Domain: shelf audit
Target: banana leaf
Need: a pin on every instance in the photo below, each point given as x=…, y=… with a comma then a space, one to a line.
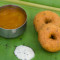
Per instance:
x=30, y=36
x=54, y=3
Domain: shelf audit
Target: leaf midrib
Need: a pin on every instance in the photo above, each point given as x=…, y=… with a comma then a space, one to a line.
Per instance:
x=33, y=5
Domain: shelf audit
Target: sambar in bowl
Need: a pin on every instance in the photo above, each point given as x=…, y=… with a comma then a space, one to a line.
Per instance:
x=12, y=21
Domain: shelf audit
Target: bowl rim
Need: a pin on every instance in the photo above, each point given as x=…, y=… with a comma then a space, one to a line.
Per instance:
x=21, y=9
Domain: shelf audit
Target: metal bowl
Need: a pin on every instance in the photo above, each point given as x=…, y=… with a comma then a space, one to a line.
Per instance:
x=12, y=33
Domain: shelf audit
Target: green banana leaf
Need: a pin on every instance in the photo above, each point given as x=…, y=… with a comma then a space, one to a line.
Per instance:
x=54, y=3
x=30, y=36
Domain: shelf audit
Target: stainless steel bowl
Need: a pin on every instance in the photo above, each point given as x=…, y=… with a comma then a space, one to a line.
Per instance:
x=12, y=33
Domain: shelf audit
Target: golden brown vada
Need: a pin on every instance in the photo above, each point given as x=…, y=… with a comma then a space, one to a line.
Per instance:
x=45, y=17
x=49, y=37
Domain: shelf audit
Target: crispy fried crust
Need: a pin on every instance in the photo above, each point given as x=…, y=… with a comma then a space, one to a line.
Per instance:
x=46, y=17
x=49, y=37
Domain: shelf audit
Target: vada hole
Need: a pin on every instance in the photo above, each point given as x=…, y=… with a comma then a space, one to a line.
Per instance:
x=48, y=21
x=53, y=36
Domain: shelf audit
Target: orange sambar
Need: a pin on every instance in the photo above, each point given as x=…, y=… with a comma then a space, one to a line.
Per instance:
x=11, y=17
